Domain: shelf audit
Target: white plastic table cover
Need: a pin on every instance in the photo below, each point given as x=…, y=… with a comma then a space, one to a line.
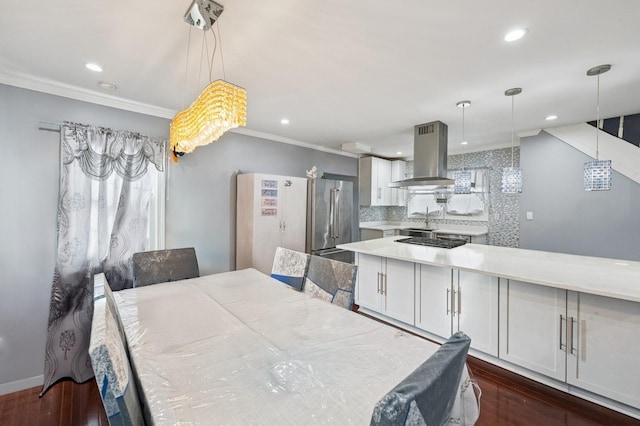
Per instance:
x=242, y=348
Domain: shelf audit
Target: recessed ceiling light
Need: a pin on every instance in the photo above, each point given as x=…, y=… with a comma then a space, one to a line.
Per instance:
x=399, y=153
x=464, y=143
x=550, y=117
x=284, y=121
x=93, y=67
x=515, y=34
x=107, y=86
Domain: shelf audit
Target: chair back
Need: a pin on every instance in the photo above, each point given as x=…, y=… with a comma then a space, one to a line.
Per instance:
x=331, y=280
x=108, y=354
x=427, y=395
x=159, y=266
x=290, y=267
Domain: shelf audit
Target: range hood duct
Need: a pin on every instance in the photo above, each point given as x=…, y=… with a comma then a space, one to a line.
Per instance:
x=429, y=157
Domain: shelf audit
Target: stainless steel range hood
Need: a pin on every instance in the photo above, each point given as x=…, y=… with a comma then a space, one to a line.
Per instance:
x=429, y=157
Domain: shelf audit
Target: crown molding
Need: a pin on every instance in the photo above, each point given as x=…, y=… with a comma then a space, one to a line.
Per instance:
x=73, y=92
x=282, y=139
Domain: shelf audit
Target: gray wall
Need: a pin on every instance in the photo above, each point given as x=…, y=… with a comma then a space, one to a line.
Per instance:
x=568, y=219
x=201, y=209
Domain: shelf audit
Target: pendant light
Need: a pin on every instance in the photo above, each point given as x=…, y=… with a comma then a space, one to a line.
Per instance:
x=220, y=107
x=512, y=176
x=597, y=173
x=462, y=178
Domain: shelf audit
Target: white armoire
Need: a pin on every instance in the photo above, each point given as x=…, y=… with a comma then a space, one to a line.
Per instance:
x=271, y=211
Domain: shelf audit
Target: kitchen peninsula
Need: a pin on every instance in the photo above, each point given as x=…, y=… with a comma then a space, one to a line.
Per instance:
x=571, y=322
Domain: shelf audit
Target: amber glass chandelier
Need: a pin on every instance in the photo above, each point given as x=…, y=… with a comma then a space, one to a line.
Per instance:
x=220, y=107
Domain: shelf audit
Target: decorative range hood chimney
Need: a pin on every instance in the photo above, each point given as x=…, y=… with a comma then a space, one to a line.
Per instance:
x=429, y=157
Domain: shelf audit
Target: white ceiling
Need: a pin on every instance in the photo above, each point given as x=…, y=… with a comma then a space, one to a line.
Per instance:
x=341, y=71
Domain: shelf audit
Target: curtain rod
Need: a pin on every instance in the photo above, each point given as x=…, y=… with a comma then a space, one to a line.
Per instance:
x=46, y=129
x=59, y=129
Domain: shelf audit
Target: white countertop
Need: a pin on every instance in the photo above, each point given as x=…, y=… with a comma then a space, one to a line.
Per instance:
x=472, y=231
x=595, y=275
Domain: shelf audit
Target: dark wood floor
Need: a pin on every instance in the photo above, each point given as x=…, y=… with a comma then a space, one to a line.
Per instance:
x=507, y=399
x=65, y=404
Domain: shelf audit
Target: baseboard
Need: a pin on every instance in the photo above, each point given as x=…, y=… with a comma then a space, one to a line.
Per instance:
x=23, y=384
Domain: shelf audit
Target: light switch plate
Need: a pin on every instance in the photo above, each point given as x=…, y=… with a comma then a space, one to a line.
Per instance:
x=529, y=215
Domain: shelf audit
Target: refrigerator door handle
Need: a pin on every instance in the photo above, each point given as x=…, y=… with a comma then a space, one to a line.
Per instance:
x=336, y=212
x=333, y=213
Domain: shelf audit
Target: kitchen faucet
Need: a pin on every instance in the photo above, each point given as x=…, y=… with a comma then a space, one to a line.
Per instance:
x=426, y=218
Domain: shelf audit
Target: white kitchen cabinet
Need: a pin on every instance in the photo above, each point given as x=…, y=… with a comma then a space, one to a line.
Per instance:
x=398, y=173
x=476, y=300
x=433, y=300
x=588, y=341
x=386, y=286
x=449, y=300
x=604, y=346
x=374, y=176
x=532, y=327
x=271, y=212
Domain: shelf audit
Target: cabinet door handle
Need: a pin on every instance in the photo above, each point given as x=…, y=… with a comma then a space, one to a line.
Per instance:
x=570, y=336
x=379, y=193
x=384, y=276
x=378, y=284
x=459, y=301
x=563, y=346
x=448, y=302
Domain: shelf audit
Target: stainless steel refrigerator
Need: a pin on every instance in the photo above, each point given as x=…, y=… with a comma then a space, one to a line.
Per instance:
x=329, y=218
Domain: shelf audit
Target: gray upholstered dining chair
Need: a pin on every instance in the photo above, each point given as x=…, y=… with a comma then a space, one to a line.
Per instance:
x=290, y=267
x=159, y=266
x=428, y=395
x=331, y=280
x=110, y=362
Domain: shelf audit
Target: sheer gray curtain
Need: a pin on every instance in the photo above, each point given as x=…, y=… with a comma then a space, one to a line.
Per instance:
x=103, y=214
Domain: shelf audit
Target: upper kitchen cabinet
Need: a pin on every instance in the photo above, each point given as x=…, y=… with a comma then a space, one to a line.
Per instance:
x=271, y=212
x=398, y=173
x=374, y=176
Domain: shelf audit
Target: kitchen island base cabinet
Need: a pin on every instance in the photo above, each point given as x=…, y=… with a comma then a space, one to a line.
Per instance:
x=386, y=286
x=477, y=310
x=532, y=324
x=604, y=352
x=434, y=300
x=448, y=301
x=587, y=341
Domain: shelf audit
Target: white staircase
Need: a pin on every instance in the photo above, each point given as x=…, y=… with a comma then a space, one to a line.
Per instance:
x=625, y=157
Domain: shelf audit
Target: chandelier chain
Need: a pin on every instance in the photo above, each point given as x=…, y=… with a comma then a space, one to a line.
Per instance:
x=224, y=75
x=463, y=139
x=597, y=116
x=186, y=67
x=512, y=128
x=204, y=39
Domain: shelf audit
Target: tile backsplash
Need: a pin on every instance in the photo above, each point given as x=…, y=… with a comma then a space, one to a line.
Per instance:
x=503, y=223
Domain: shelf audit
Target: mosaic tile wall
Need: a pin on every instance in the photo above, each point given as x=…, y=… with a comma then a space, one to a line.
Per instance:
x=503, y=221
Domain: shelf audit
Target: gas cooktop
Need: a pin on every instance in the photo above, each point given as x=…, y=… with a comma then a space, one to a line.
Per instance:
x=432, y=242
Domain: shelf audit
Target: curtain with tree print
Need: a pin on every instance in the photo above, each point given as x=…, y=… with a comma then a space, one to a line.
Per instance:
x=103, y=215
